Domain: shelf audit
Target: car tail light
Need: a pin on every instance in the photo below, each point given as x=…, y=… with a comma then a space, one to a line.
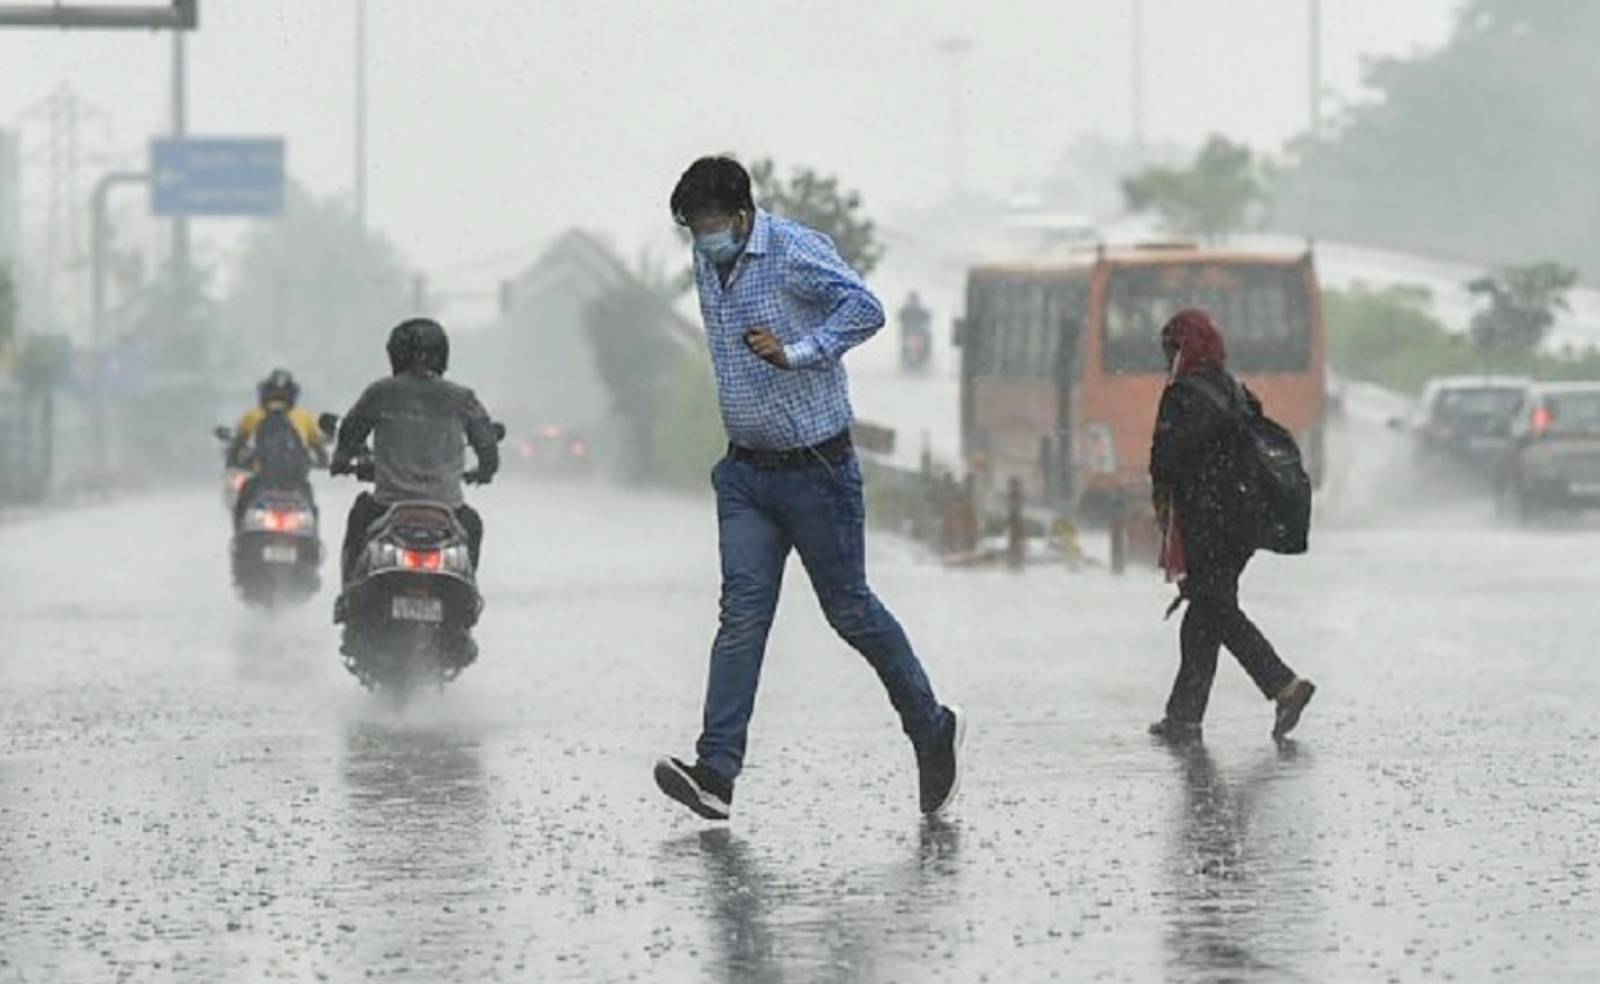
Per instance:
x=421, y=560
x=1542, y=419
x=580, y=449
x=527, y=450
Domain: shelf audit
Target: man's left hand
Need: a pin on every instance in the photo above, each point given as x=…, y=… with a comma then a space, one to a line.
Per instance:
x=767, y=345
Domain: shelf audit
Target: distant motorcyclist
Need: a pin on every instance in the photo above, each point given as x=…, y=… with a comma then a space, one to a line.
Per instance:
x=420, y=425
x=276, y=441
x=916, y=335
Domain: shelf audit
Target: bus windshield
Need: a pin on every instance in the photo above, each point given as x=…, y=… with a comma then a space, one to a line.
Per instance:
x=1261, y=310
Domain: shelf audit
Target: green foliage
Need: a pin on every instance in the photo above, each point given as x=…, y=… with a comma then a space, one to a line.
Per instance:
x=817, y=201
x=44, y=361
x=1212, y=196
x=687, y=433
x=633, y=356
x=318, y=293
x=8, y=307
x=1388, y=337
x=1485, y=148
x=1523, y=302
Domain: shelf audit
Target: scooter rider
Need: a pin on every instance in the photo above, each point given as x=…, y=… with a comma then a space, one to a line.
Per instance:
x=419, y=425
x=277, y=441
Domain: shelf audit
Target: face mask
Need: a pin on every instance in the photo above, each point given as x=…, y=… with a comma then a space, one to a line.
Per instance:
x=720, y=247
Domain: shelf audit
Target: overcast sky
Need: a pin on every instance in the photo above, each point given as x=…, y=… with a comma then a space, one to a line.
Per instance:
x=495, y=123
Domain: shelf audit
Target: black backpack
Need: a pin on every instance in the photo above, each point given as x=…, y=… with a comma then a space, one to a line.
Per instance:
x=1279, y=482
x=280, y=455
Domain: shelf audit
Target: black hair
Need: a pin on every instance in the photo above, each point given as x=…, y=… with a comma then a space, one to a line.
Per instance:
x=712, y=185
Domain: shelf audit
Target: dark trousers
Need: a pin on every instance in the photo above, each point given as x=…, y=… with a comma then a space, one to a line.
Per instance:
x=366, y=510
x=1213, y=620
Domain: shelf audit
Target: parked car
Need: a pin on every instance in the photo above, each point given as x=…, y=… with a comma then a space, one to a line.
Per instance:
x=1461, y=427
x=1555, y=462
x=556, y=449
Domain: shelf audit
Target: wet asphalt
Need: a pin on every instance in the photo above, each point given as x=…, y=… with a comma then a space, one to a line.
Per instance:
x=193, y=791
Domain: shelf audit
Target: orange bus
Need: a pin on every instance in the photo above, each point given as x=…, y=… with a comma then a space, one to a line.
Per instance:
x=1062, y=369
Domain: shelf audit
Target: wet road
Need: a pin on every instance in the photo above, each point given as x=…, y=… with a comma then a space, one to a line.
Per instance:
x=190, y=791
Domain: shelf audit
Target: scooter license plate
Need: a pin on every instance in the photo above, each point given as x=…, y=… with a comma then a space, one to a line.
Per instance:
x=278, y=553
x=405, y=608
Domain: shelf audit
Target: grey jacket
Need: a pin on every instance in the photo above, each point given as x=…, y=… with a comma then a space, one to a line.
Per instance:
x=420, y=426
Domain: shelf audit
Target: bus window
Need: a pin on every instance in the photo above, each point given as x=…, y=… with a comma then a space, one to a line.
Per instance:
x=1016, y=331
x=1262, y=311
x=1068, y=315
x=1042, y=331
x=978, y=342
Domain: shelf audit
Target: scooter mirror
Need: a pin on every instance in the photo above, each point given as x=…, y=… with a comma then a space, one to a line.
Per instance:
x=222, y=434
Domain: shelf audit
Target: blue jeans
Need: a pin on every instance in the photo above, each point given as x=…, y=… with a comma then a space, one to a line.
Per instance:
x=817, y=510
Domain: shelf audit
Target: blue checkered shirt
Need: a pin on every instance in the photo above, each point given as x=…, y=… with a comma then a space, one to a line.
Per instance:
x=789, y=279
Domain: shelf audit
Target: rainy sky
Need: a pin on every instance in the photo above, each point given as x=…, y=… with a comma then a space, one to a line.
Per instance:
x=495, y=123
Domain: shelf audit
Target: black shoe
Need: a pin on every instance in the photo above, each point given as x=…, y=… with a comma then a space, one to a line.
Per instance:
x=1174, y=731
x=939, y=768
x=696, y=787
x=1291, y=702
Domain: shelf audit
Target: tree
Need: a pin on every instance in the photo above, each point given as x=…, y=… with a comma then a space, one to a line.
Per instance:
x=7, y=311
x=1523, y=302
x=8, y=308
x=1485, y=148
x=1212, y=196
x=316, y=292
x=816, y=201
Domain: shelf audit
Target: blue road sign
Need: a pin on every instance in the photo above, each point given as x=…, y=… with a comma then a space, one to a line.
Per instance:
x=216, y=176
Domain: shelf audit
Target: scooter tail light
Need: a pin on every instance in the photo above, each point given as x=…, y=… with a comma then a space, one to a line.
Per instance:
x=421, y=560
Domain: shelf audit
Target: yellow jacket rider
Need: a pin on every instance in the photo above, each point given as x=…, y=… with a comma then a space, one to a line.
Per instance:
x=278, y=391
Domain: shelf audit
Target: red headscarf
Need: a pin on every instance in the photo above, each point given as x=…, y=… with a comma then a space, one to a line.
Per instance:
x=1199, y=342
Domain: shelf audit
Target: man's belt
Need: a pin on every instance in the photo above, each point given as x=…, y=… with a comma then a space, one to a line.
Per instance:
x=833, y=450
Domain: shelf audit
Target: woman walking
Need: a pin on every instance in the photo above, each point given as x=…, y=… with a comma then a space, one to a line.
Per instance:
x=1204, y=499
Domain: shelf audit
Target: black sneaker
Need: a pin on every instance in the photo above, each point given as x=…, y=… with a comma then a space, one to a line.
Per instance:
x=1291, y=702
x=939, y=768
x=1168, y=729
x=696, y=787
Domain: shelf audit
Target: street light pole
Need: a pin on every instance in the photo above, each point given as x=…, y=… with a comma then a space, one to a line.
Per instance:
x=361, y=115
x=956, y=48
x=180, y=127
x=98, y=248
x=1315, y=64
x=1136, y=68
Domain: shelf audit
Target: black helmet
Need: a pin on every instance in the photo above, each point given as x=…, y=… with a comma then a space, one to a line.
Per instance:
x=419, y=343
x=278, y=387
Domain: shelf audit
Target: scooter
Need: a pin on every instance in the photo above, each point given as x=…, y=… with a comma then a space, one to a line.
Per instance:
x=412, y=597
x=276, y=548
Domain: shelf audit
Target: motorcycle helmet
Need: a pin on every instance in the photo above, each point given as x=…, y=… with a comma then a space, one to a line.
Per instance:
x=278, y=387
x=419, y=343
